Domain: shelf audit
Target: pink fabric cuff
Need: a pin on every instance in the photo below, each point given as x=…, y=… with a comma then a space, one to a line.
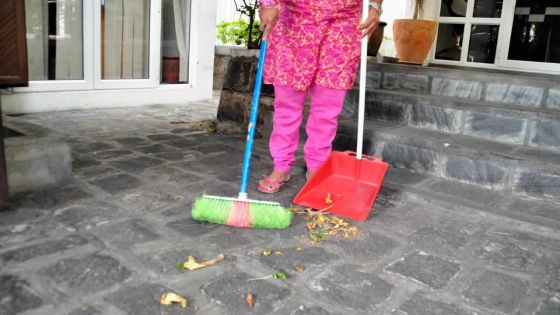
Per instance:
x=269, y=3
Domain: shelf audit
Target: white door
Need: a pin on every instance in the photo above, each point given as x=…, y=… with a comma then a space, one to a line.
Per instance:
x=532, y=40
x=126, y=43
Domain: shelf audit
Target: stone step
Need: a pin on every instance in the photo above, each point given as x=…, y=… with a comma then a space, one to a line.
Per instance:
x=522, y=126
x=512, y=169
x=524, y=90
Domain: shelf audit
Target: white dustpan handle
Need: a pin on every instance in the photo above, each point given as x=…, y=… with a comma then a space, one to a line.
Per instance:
x=362, y=95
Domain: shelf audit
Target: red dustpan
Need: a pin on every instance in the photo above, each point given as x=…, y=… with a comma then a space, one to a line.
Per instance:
x=347, y=183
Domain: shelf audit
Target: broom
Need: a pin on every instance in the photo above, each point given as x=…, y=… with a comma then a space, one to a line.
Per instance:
x=240, y=211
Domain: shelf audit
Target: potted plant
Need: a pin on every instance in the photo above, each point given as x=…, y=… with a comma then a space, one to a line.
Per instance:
x=414, y=37
x=242, y=32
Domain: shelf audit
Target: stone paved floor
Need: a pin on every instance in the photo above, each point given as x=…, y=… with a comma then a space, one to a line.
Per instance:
x=107, y=242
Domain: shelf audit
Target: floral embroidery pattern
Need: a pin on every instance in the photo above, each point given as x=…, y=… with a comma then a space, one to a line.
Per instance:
x=315, y=41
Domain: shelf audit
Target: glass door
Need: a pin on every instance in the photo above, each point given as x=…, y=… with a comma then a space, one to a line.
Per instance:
x=532, y=40
x=468, y=32
x=58, y=43
x=127, y=43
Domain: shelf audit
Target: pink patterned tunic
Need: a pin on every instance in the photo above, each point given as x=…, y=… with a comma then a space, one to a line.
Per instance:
x=314, y=41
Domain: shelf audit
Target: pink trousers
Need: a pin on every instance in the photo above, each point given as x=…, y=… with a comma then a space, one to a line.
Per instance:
x=326, y=105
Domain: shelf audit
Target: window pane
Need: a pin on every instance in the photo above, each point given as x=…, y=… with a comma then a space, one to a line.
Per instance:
x=536, y=32
x=455, y=8
x=449, y=41
x=54, y=39
x=488, y=8
x=125, y=39
x=175, y=22
x=483, y=43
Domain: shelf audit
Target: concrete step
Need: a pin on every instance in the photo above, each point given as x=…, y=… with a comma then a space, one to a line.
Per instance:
x=524, y=90
x=503, y=123
x=526, y=172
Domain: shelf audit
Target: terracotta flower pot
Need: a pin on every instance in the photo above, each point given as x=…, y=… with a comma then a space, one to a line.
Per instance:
x=376, y=39
x=170, y=69
x=413, y=39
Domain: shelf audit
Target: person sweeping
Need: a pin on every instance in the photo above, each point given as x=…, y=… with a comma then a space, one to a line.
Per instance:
x=313, y=49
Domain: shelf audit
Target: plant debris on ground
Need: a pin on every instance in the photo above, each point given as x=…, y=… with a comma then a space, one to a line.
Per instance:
x=321, y=225
x=209, y=126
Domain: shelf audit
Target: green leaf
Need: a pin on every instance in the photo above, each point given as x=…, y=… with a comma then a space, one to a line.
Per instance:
x=280, y=275
x=180, y=265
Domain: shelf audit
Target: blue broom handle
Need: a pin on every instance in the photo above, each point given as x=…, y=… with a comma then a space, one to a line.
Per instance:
x=252, y=122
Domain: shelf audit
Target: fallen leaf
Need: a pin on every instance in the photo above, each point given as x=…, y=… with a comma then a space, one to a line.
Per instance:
x=328, y=199
x=175, y=198
x=192, y=264
x=299, y=269
x=299, y=249
x=280, y=275
x=267, y=253
x=250, y=300
x=268, y=247
x=311, y=225
x=169, y=298
x=278, y=253
x=320, y=219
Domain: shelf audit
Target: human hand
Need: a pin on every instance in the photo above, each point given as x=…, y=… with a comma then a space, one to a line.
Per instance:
x=368, y=27
x=268, y=17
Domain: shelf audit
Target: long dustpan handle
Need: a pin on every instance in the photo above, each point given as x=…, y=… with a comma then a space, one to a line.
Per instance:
x=252, y=122
x=362, y=94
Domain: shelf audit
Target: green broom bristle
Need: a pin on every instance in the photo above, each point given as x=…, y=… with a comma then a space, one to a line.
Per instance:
x=263, y=215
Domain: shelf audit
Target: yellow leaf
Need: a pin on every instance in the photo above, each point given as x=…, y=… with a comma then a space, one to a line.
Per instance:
x=192, y=264
x=250, y=300
x=311, y=225
x=299, y=249
x=169, y=298
x=299, y=269
x=320, y=219
x=278, y=253
x=328, y=199
x=267, y=253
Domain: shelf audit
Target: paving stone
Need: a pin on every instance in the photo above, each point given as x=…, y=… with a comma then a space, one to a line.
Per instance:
x=111, y=154
x=192, y=228
x=552, y=281
x=420, y=305
x=496, y=128
x=228, y=240
x=132, y=141
x=117, y=183
x=385, y=109
x=16, y=295
x=436, y=118
x=546, y=134
x=167, y=175
x=83, y=162
x=308, y=258
x=176, y=156
x=350, y=105
x=96, y=172
x=537, y=184
x=144, y=299
x=85, y=310
x=165, y=261
x=456, y=88
x=506, y=254
x=535, y=208
x=88, y=274
x=441, y=239
x=497, y=291
x=373, y=247
x=230, y=289
x=42, y=249
x=553, y=99
x=92, y=147
x=185, y=143
x=411, y=158
x=152, y=149
x=313, y=310
x=221, y=148
x=514, y=94
x=54, y=197
x=128, y=233
x=430, y=270
x=136, y=164
x=151, y=199
x=86, y=216
x=402, y=81
x=349, y=287
x=474, y=171
x=163, y=137
x=549, y=307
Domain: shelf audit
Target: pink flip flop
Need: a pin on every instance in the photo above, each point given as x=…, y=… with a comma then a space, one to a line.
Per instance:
x=271, y=182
